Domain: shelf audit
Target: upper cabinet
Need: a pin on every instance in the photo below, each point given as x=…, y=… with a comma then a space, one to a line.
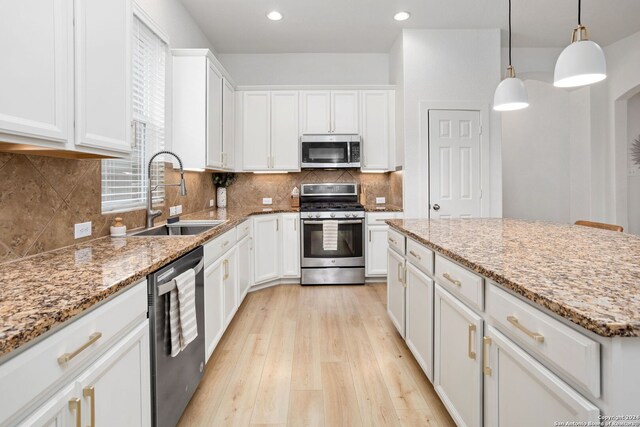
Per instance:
x=325, y=111
x=378, y=128
x=228, y=124
x=37, y=105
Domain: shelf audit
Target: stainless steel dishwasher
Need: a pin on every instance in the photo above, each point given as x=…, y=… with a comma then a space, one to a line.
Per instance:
x=174, y=379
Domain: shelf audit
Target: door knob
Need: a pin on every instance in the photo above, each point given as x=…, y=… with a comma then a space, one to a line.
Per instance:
x=436, y=207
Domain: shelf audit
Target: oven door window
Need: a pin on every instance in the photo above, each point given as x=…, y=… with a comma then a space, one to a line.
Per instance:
x=325, y=152
x=350, y=243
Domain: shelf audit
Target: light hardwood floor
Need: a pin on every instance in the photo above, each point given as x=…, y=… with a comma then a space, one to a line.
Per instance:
x=314, y=356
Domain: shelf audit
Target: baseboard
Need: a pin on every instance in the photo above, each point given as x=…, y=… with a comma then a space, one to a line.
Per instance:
x=276, y=282
x=378, y=279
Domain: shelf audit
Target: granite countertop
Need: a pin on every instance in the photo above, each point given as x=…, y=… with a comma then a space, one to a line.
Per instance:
x=588, y=276
x=382, y=208
x=41, y=292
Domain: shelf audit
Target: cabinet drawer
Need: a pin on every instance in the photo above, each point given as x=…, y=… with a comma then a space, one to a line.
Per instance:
x=218, y=246
x=243, y=229
x=460, y=281
x=420, y=256
x=565, y=349
x=26, y=378
x=379, y=218
x=396, y=241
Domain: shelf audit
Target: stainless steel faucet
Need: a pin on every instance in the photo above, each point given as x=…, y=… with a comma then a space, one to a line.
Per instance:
x=151, y=214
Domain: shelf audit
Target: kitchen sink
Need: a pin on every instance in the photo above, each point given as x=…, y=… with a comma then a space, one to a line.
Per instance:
x=180, y=228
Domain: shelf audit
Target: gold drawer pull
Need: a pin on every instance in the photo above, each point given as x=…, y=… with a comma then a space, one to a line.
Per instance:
x=225, y=263
x=90, y=392
x=68, y=356
x=392, y=241
x=415, y=255
x=76, y=405
x=225, y=243
x=533, y=335
x=486, y=369
x=451, y=279
x=472, y=329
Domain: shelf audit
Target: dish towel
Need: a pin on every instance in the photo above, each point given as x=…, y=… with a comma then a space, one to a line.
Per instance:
x=182, y=312
x=330, y=235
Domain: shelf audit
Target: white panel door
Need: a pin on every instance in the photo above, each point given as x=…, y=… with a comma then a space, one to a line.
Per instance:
x=285, y=145
x=376, y=134
x=376, y=253
x=256, y=130
x=396, y=290
x=103, y=74
x=213, y=306
x=214, y=117
x=245, y=268
x=59, y=411
x=228, y=125
x=458, y=359
x=419, y=327
x=517, y=387
x=316, y=112
x=36, y=78
x=344, y=111
x=291, y=245
x=267, y=248
x=454, y=164
x=231, y=293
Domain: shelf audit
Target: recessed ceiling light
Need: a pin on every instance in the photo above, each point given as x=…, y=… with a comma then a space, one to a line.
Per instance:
x=274, y=15
x=402, y=16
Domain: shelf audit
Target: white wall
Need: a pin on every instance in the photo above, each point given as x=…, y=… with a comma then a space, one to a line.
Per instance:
x=633, y=182
x=307, y=68
x=461, y=67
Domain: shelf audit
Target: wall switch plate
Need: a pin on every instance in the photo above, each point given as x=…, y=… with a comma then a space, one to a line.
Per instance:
x=381, y=200
x=179, y=209
x=211, y=203
x=172, y=211
x=82, y=230
x=267, y=201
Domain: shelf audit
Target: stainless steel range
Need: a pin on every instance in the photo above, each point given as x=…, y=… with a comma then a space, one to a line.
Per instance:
x=332, y=224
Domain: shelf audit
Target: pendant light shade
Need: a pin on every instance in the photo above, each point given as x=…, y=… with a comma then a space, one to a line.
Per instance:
x=511, y=94
x=582, y=62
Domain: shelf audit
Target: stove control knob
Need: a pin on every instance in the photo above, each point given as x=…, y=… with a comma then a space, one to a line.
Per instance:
x=333, y=215
x=317, y=215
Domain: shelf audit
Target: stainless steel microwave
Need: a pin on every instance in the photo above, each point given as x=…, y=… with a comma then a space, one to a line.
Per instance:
x=330, y=151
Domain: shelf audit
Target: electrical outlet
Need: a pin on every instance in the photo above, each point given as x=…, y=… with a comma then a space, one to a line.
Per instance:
x=179, y=209
x=267, y=201
x=82, y=230
x=381, y=200
x=211, y=203
x=172, y=211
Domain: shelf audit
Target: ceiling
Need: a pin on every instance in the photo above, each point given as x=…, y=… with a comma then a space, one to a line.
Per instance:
x=240, y=26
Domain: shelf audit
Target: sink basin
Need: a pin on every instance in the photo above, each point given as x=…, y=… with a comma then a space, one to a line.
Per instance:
x=180, y=228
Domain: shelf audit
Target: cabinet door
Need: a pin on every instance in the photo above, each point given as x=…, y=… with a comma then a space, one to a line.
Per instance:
x=213, y=306
x=285, y=145
x=59, y=411
x=316, y=112
x=256, y=130
x=116, y=390
x=344, y=111
x=419, y=327
x=103, y=74
x=36, y=80
x=266, y=254
x=514, y=381
x=376, y=136
x=230, y=289
x=228, y=125
x=396, y=291
x=457, y=358
x=291, y=245
x=214, y=117
x=245, y=268
x=376, y=254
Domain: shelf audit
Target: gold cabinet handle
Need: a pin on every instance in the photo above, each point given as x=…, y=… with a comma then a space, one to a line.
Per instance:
x=533, y=335
x=295, y=225
x=451, y=279
x=400, y=273
x=486, y=341
x=415, y=255
x=225, y=263
x=472, y=329
x=226, y=242
x=369, y=235
x=68, y=356
x=90, y=392
x=277, y=224
x=76, y=406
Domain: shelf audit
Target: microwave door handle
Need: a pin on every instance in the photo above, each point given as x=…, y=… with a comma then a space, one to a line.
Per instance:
x=349, y=160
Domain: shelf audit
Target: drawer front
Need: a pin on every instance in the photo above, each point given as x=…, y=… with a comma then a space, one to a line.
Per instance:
x=396, y=241
x=37, y=372
x=460, y=281
x=565, y=349
x=420, y=256
x=379, y=218
x=218, y=246
x=243, y=230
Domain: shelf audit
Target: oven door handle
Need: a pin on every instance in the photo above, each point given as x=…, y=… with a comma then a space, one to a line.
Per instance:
x=340, y=222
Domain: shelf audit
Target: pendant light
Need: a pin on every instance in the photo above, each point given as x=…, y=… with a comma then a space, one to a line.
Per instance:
x=510, y=94
x=582, y=62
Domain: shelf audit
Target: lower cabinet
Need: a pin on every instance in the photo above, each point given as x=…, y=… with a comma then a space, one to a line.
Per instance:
x=290, y=245
x=396, y=290
x=419, y=318
x=63, y=409
x=230, y=285
x=518, y=390
x=376, y=253
x=267, y=247
x=213, y=306
x=458, y=358
x=245, y=266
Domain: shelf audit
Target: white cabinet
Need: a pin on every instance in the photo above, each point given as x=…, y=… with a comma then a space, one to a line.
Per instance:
x=419, y=318
x=290, y=245
x=376, y=254
x=378, y=128
x=213, y=127
x=60, y=410
x=518, y=390
x=326, y=111
x=245, y=266
x=267, y=247
x=458, y=358
x=228, y=125
x=396, y=290
x=270, y=135
x=230, y=285
x=213, y=306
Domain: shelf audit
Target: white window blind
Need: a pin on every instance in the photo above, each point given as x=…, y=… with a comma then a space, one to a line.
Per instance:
x=124, y=181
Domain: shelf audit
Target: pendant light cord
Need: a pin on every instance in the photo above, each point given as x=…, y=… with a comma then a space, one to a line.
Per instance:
x=579, y=12
x=510, y=32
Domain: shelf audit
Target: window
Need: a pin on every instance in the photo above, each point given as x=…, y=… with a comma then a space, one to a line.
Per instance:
x=124, y=181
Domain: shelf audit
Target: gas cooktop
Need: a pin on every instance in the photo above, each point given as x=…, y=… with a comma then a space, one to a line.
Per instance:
x=332, y=207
